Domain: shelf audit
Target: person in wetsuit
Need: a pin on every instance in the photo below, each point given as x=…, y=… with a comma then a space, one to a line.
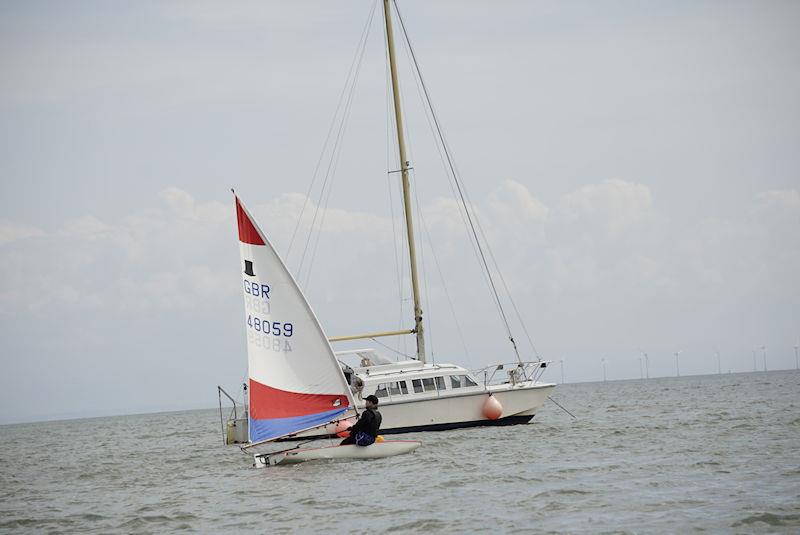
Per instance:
x=365, y=430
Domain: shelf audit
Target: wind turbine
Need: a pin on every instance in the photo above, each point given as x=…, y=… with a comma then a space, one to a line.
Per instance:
x=562, y=370
x=603, y=361
x=677, y=365
x=796, y=359
x=764, y=349
x=719, y=365
x=641, y=373
x=646, y=364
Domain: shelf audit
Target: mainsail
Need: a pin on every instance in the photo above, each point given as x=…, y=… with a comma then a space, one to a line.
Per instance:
x=295, y=380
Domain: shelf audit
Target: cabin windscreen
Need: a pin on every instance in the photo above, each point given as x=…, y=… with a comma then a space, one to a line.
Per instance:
x=294, y=378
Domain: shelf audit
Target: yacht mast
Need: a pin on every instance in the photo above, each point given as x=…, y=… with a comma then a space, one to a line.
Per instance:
x=401, y=145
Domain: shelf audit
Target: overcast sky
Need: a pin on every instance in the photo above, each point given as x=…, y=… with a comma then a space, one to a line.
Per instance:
x=635, y=165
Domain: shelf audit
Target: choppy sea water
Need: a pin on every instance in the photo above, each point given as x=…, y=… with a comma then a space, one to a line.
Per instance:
x=673, y=455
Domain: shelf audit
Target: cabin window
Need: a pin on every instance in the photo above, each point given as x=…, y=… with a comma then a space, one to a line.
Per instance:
x=440, y=383
x=417, y=385
x=461, y=381
x=398, y=388
x=381, y=392
x=429, y=385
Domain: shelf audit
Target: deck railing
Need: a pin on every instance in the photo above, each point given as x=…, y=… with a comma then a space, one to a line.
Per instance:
x=512, y=372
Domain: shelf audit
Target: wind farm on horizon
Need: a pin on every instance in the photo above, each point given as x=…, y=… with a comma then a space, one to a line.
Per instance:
x=622, y=364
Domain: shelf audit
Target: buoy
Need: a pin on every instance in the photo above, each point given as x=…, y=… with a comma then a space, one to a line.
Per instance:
x=379, y=438
x=492, y=409
x=343, y=428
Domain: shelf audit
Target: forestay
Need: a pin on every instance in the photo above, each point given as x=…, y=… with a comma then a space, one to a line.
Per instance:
x=295, y=381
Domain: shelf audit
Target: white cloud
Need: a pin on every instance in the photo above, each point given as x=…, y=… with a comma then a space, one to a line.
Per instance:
x=601, y=245
x=514, y=199
x=780, y=206
x=602, y=239
x=613, y=205
x=86, y=227
x=10, y=232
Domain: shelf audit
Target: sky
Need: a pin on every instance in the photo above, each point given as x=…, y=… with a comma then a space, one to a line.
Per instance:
x=635, y=167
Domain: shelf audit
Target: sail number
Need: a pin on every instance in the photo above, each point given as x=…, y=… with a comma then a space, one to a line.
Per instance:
x=276, y=328
x=256, y=289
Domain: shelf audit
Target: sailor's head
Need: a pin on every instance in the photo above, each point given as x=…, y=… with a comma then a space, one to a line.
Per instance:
x=371, y=402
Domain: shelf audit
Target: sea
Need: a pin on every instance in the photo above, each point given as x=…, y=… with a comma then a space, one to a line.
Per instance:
x=711, y=454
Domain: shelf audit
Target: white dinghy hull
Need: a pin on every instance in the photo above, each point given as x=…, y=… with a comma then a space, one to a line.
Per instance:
x=378, y=450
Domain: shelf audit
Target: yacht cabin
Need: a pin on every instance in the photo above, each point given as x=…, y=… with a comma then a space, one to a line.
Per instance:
x=405, y=380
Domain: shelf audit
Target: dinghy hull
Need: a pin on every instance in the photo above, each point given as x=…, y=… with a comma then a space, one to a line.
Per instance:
x=378, y=450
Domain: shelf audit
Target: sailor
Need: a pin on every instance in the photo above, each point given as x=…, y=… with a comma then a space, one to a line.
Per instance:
x=364, y=431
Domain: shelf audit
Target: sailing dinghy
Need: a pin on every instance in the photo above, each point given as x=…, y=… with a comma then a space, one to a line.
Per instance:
x=295, y=382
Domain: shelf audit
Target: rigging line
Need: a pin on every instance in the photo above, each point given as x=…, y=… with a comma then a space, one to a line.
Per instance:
x=418, y=209
x=508, y=293
x=562, y=408
x=495, y=263
x=500, y=274
x=458, y=185
x=442, y=150
x=332, y=174
x=427, y=232
x=334, y=164
x=461, y=208
x=330, y=130
x=393, y=158
x=397, y=272
x=425, y=274
x=389, y=165
x=417, y=79
x=335, y=153
x=392, y=350
x=406, y=298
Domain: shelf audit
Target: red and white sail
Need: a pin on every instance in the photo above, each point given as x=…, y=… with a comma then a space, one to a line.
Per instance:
x=295, y=380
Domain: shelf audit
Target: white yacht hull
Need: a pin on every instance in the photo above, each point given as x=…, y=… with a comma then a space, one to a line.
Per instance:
x=520, y=403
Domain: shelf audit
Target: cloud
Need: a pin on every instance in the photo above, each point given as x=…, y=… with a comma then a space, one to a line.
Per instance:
x=601, y=239
x=612, y=205
x=86, y=227
x=155, y=259
x=779, y=206
x=10, y=232
x=514, y=199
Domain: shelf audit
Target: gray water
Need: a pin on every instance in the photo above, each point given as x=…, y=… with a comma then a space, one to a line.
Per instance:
x=710, y=453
